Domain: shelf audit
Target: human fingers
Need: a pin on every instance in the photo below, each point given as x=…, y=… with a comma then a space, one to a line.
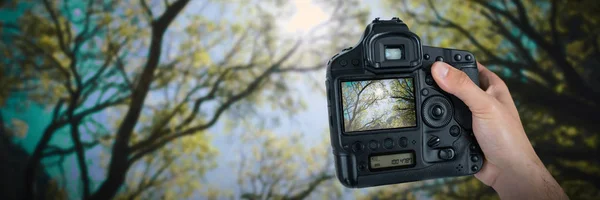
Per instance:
x=495, y=86
x=460, y=85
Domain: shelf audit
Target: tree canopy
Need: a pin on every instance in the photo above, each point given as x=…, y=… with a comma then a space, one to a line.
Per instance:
x=141, y=88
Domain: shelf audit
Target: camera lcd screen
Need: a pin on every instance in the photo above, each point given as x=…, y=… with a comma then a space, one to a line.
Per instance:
x=378, y=104
x=393, y=160
x=394, y=52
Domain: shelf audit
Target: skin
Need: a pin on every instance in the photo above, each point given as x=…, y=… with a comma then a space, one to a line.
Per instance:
x=511, y=167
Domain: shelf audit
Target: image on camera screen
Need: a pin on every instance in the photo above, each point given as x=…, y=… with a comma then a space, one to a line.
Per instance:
x=378, y=104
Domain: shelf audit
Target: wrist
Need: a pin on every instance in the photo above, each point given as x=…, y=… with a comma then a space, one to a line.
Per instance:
x=527, y=180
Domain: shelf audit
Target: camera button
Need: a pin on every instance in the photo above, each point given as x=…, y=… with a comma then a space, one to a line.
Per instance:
x=474, y=158
x=373, y=145
x=433, y=141
x=437, y=111
x=343, y=62
x=429, y=79
x=454, y=130
x=446, y=154
x=474, y=168
x=468, y=57
x=362, y=166
x=358, y=147
x=388, y=143
x=439, y=58
x=426, y=56
x=457, y=57
x=403, y=142
x=473, y=147
x=355, y=62
x=424, y=92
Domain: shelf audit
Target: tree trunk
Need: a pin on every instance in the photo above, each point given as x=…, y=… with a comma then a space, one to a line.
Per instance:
x=120, y=163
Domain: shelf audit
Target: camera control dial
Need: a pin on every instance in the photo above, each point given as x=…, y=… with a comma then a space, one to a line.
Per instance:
x=437, y=111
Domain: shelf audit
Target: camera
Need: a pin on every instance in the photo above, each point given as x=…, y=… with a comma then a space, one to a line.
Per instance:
x=389, y=121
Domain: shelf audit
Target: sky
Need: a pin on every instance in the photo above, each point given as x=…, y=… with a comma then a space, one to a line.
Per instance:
x=311, y=122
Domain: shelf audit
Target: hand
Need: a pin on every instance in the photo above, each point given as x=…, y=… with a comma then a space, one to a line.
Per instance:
x=511, y=167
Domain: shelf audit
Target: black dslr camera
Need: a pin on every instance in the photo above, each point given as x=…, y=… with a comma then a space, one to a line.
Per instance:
x=389, y=121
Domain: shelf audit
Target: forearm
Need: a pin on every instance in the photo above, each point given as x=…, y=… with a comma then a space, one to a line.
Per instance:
x=529, y=181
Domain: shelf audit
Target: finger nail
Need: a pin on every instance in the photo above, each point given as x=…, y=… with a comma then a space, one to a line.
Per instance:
x=441, y=70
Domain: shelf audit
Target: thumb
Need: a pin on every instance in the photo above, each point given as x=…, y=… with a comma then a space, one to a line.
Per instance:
x=460, y=85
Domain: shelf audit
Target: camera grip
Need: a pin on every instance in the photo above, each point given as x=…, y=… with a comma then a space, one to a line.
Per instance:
x=346, y=171
x=472, y=72
x=462, y=113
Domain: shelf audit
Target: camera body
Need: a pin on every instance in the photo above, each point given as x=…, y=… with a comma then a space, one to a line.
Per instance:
x=389, y=121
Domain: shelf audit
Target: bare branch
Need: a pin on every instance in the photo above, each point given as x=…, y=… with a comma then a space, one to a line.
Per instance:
x=57, y=151
x=121, y=67
x=53, y=59
x=521, y=10
x=147, y=9
x=224, y=106
x=80, y=38
x=553, y=21
x=57, y=107
x=311, y=186
x=119, y=163
x=572, y=78
x=524, y=52
x=145, y=185
x=234, y=49
x=354, y=110
x=459, y=28
x=301, y=68
x=85, y=179
x=57, y=26
x=113, y=51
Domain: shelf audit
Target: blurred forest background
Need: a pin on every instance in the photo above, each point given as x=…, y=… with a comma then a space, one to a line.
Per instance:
x=209, y=99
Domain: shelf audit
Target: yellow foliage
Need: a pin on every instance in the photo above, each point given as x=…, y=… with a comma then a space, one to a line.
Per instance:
x=54, y=191
x=202, y=58
x=19, y=128
x=592, y=141
x=129, y=12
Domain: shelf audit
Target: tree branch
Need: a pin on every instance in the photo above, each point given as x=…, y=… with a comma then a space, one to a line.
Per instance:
x=403, y=98
x=457, y=27
x=56, y=110
x=52, y=59
x=553, y=21
x=354, y=113
x=311, y=187
x=581, y=112
x=112, y=53
x=573, y=79
x=81, y=37
x=224, y=106
x=422, y=187
x=531, y=63
x=119, y=163
x=57, y=151
x=85, y=179
x=522, y=13
x=301, y=69
x=57, y=26
x=144, y=185
x=147, y=9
